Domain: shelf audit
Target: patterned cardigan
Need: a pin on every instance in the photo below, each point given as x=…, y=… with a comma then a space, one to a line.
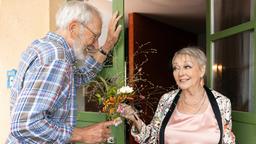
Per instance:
x=153, y=133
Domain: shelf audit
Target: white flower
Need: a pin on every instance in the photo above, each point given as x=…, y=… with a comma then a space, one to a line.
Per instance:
x=125, y=90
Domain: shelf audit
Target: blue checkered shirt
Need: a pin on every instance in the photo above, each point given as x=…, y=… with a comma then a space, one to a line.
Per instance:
x=43, y=98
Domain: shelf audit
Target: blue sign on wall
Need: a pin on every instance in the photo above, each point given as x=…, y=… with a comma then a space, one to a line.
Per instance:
x=10, y=77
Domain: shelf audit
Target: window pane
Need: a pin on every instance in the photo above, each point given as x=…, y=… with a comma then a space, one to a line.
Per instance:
x=233, y=69
x=228, y=13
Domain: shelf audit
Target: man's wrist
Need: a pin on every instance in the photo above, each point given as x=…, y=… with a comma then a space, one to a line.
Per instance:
x=101, y=55
x=102, y=51
x=75, y=136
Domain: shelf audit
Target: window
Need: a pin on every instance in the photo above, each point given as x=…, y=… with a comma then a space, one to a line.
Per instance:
x=233, y=69
x=228, y=13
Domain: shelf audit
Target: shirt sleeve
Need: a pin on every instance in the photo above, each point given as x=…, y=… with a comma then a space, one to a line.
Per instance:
x=149, y=134
x=38, y=113
x=228, y=136
x=85, y=73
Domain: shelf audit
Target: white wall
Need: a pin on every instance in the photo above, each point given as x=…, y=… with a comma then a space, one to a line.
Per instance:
x=21, y=21
x=105, y=8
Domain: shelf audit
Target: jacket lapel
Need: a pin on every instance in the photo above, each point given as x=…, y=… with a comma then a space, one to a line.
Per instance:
x=167, y=117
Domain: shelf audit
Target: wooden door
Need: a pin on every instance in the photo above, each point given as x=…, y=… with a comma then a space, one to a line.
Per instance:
x=151, y=45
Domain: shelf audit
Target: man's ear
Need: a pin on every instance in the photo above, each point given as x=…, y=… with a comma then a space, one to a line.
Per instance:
x=73, y=28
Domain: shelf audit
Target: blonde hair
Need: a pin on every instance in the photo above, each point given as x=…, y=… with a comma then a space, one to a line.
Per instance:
x=194, y=52
x=75, y=10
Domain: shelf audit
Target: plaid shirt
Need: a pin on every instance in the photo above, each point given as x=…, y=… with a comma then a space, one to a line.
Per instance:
x=43, y=98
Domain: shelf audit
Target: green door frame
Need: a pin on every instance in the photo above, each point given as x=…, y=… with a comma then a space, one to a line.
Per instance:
x=244, y=123
x=117, y=68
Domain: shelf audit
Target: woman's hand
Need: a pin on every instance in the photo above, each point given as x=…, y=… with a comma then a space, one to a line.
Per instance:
x=127, y=112
x=130, y=113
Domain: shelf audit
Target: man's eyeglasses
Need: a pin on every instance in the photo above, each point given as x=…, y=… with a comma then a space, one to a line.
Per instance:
x=95, y=36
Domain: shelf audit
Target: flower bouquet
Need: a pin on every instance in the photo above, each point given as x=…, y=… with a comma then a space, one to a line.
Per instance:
x=109, y=95
x=110, y=104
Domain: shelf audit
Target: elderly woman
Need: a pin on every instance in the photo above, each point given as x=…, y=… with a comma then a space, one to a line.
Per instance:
x=192, y=114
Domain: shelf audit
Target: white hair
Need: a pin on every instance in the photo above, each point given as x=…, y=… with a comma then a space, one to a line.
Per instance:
x=195, y=52
x=75, y=10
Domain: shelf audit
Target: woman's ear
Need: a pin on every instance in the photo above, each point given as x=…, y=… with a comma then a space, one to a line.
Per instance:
x=203, y=69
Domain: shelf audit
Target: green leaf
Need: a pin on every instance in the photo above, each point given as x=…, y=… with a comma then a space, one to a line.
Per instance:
x=112, y=91
x=99, y=98
x=104, y=82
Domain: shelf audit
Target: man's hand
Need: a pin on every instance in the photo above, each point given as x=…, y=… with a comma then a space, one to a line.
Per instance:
x=92, y=134
x=112, y=37
x=113, y=32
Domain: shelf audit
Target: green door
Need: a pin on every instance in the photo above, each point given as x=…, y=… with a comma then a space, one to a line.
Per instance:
x=116, y=65
x=231, y=43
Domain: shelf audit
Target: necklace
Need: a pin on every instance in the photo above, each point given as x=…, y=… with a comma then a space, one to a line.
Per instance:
x=193, y=104
x=200, y=105
x=202, y=101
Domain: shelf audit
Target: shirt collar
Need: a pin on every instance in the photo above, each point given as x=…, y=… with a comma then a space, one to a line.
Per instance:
x=60, y=40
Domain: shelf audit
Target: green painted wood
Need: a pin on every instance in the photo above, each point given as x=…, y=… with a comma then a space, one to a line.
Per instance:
x=91, y=116
x=88, y=118
x=244, y=123
x=244, y=117
x=119, y=65
x=118, y=68
x=232, y=31
x=253, y=100
x=244, y=127
x=208, y=45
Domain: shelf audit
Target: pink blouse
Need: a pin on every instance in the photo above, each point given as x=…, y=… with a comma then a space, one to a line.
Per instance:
x=192, y=128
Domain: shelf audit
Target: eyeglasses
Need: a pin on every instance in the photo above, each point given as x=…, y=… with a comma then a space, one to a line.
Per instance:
x=95, y=36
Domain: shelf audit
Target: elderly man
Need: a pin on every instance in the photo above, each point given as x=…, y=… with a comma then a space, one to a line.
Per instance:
x=43, y=98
